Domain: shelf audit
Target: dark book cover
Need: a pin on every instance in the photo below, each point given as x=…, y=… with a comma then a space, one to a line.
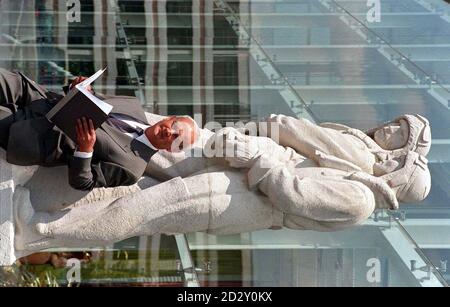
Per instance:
x=78, y=106
x=79, y=103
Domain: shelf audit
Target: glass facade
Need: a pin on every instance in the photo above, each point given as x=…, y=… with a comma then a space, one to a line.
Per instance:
x=350, y=62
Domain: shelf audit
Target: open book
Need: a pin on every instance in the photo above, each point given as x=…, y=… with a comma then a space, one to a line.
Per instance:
x=78, y=103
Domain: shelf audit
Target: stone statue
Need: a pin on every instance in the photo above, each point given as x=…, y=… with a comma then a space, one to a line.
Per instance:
x=323, y=178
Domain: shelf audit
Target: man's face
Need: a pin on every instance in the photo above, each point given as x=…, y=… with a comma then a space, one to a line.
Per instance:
x=172, y=134
x=391, y=137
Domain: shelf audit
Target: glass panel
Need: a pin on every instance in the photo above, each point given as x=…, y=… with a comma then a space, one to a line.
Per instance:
x=376, y=255
x=349, y=71
x=140, y=261
x=420, y=31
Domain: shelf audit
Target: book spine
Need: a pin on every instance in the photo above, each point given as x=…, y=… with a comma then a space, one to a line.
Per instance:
x=61, y=104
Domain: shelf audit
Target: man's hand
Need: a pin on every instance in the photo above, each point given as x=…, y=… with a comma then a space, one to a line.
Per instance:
x=78, y=80
x=86, y=136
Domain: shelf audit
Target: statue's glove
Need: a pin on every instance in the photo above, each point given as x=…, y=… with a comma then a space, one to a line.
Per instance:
x=240, y=150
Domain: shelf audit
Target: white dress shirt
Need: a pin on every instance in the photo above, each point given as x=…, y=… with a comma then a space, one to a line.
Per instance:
x=143, y=138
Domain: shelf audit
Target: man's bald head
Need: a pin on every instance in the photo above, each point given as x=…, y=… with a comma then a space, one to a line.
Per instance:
x=174, y=133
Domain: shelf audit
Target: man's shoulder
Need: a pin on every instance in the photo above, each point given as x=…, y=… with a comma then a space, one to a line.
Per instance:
x=128, y=105
x=120, y=101
x=118, y=97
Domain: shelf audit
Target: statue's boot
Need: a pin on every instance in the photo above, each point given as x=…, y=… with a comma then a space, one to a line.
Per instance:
x=216, y=202
x=163, y=208
x=26, y=234
x=144, y=212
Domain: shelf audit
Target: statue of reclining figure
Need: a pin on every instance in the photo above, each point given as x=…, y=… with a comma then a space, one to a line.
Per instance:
x=299, y=184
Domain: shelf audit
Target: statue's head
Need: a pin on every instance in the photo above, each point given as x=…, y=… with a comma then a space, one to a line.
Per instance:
x=410, y=179
x=174, y=134
x=409, y=132
x=392, y=136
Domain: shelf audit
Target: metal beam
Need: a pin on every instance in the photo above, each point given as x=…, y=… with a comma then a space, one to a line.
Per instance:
x=131, y=65
x=187, y=264
x=412, y=257
x=297, y=104
x=394, y=56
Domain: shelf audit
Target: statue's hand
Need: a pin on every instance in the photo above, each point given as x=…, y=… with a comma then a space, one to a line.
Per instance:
x=238, y=149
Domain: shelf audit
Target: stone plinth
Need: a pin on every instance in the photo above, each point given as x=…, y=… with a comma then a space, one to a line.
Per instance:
x=7, y=254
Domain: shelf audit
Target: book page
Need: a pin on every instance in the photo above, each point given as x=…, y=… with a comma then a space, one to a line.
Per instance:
x=91, y=79
x=105, y=107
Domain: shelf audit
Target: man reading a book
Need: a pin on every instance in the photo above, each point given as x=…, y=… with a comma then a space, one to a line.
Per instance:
x=115, y=154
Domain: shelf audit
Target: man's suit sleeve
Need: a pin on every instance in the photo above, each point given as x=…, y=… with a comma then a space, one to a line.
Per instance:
x=85, y=175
